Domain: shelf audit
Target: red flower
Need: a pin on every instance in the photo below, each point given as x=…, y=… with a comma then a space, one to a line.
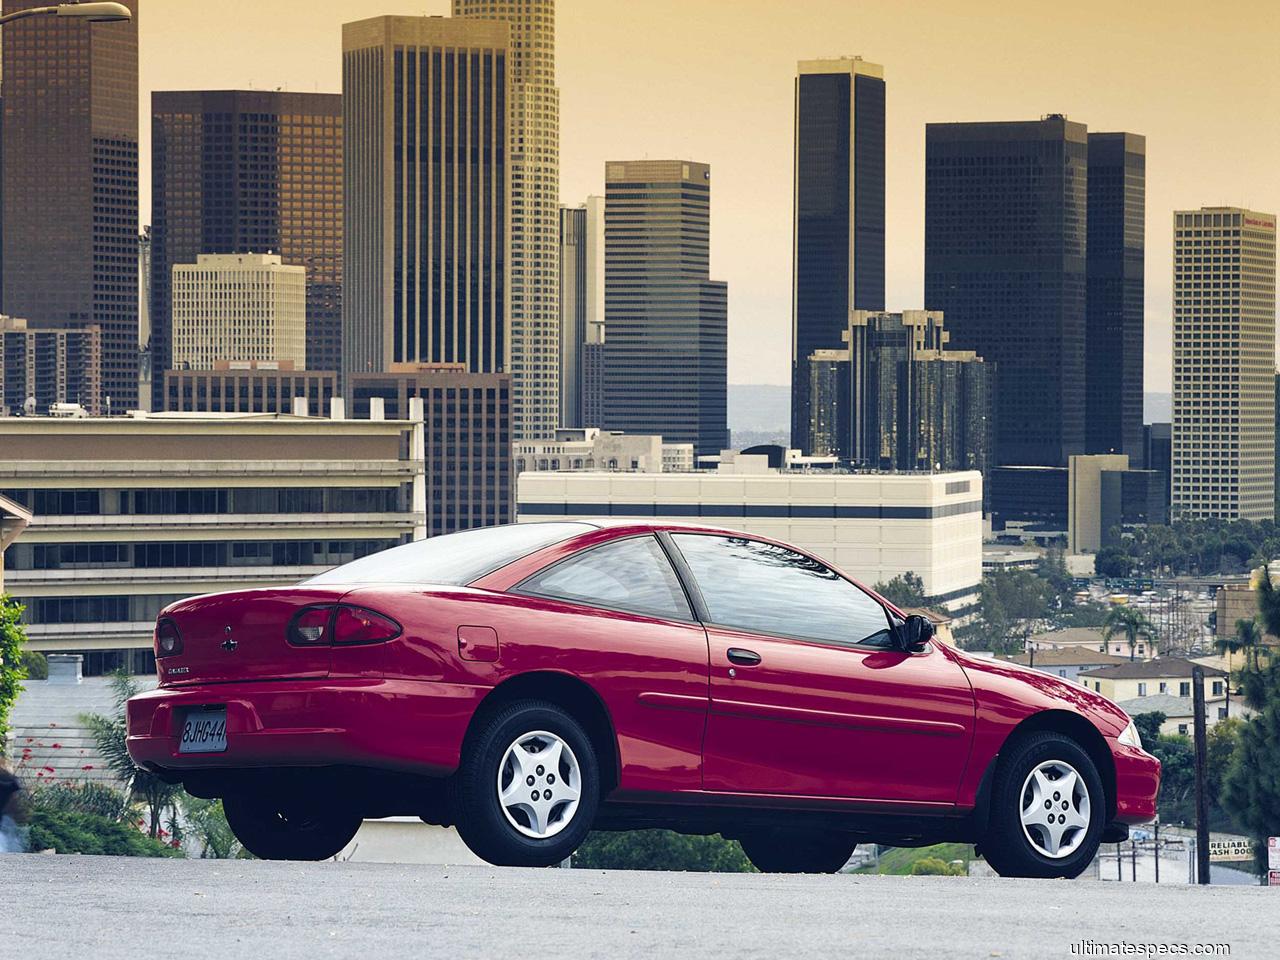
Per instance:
x=51, y=770
x=57, y=746
x=88, y=766
x=176, y=844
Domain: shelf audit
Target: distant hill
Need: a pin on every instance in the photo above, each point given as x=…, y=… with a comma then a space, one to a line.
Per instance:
x=759, y=408
x=1157, y=408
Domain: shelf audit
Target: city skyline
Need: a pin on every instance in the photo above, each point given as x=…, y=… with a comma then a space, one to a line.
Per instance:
x=640, y=105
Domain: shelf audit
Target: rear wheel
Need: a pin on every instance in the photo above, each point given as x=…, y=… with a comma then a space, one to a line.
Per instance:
x=275, y=828
x=526, y=792
x=797, y=851
x=1047, y=809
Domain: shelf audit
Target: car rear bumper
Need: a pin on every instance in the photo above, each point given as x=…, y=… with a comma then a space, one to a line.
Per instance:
x=410, y=725
x=1137, y=783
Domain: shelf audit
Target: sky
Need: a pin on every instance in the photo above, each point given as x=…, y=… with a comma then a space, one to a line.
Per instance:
x=712, y=81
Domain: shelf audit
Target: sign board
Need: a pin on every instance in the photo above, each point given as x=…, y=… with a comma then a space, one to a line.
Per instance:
x=1273, y=853
x=1230, y=850
x=1273, y=878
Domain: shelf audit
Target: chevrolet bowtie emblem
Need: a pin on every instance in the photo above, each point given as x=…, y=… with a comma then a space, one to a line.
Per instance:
x=229, y=644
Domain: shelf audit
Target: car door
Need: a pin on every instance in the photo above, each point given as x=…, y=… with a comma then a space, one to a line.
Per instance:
x=808, y=698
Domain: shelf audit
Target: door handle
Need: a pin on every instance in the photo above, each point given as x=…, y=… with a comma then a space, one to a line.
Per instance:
x=743, y=658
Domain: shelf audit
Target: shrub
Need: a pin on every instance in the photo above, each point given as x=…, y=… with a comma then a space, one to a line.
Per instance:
x=12, y=636
x=35, y=663
x=70, y=832
x=936, y=867
x=660, y=850
x=93, y=798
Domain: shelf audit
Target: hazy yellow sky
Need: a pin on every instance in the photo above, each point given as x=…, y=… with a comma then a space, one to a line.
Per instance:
x=712, y=81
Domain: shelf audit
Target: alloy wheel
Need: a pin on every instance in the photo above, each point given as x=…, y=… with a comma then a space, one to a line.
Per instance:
x=539, y=784
x=1055, y=809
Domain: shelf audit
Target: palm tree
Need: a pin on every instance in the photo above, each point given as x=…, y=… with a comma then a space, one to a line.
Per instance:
x=1132, y=623
x=1268, y=611
x=1248, y=638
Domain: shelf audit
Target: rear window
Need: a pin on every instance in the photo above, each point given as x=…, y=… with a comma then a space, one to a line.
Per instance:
x=454, y=558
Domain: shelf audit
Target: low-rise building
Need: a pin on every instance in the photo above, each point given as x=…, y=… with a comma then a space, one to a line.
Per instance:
x=590, y=448
x=873, y=526
x=1066, y=662
x=14, y=518
x=132, y=513
x=1094, y=638
x=1170, y=676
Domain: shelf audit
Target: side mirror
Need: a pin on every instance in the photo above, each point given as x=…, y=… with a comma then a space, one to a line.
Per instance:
x=913, y=634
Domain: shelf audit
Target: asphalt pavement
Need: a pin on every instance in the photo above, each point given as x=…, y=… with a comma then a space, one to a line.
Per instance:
x=86, y=908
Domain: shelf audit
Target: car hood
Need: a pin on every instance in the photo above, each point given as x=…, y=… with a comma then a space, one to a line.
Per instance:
x=1025, y=690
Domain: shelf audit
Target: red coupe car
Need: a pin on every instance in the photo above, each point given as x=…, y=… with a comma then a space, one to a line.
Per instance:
x=530, y=683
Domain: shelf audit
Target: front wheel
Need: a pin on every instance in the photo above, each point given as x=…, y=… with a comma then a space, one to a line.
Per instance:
x=274, y=828
x=1048, y=809
x=526, y=792
x=797, y=851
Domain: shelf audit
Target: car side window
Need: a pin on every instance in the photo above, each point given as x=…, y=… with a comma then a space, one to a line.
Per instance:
x=769, y=589
x=633, y=575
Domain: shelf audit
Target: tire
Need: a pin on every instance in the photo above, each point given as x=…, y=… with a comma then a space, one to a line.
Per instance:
x=497, y=819
x=797, y=851
x=1036, y=849
x=272, y=828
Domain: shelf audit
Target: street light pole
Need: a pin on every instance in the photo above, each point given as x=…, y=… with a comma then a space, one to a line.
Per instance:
x=93, y=12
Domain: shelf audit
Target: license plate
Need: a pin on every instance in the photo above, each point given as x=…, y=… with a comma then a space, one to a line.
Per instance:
x=205, y=731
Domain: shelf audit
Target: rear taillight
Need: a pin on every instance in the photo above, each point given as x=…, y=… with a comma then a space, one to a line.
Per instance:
x=354, y=625
x=340, y=625
x=310, y=627
x=168, y=639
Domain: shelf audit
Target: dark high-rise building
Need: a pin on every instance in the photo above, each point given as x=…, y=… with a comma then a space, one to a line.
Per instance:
x=666, y=323
x=839, y=212
x=468, y=424
x=895, y=398
x=427, y=219
x=248, y=171
x=70, y=183
x=1157, y=448
x=1005, y=242
x=1114, y=312
x=581, y=302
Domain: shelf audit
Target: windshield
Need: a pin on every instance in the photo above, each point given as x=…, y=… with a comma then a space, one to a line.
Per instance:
x=454, y=558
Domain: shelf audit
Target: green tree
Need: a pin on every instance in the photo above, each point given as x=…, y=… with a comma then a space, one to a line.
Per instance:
x=207, y=823
x=1133, y=623
x=1113, y=562
x=906, y=590
x=1251, y=787
x=1247, y=638
x=109, y=733
x=660, y=850
x=12, y=672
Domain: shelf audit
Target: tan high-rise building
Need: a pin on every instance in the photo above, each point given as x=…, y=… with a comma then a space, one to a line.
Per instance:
x=425, y=197
x=535, y=208
x=238, y=306
x=1224, y=356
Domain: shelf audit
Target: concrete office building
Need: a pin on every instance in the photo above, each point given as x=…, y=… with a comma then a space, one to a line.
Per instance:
x=581, y=305
x=14, y=518
x=426, y=193
x=896, y=398
x=133, y=513
x=248, y=171
x=70, y=183
x=1224, y=364
x=591, y=448
x=533, y=153
x=1115, y=266
x=1085, y=531
x=467, y=438
x=838, y=255
x=238, y=306
x=874, y=527
x=41, y=366
x=246, y=386
x=666, y=322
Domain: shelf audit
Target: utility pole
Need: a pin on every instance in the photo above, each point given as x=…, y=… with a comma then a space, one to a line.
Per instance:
x=1157, y=848
x=1202, y=800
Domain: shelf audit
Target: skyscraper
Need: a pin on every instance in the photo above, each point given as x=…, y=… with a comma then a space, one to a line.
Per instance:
x=248, y=171
x=1115, y=293
x=839, y=212
x=425, y=103
x=1224, y=335
x=70, y=183
x=535, y=207
x=581, y=301
x=1005, y=241
x=666, y=323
